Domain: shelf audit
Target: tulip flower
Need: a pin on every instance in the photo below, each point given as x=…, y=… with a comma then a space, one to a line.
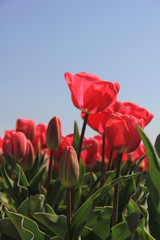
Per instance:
x=69, y=167
x=137, y=154
x=88, y=155
x=54, y=133
x=14, y=145
x=121, y=132
x=89, y=93
x=27, y=126
x=39, y=141
x=28, y=160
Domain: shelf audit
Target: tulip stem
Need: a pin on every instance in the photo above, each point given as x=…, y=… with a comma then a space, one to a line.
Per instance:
x=69, y=214
x=49, y=175
x=82, y=136
x=116, y=192
x=110, y=160
x=103, y=167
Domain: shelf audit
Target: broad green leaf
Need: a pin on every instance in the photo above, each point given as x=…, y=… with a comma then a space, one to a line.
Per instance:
x=35, y=167
x=133, y=207
x=99, y=221
x=124, y=196
x=34, y=184
x=56, y=189
x=55, y=223
x=83, y=213
x=89, y=233
x=7, y=228
x=153, y=221
x=142, y=233
x=27, y=228
x=157, y=145
x=126, y=229
x=153, y=175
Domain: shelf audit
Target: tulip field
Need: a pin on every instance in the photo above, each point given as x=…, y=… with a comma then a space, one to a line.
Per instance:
x=56, y=187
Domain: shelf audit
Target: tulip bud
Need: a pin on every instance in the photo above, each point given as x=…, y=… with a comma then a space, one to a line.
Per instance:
x=69, y=167
x=54, y=133
x=14, y=145
x=28, y=160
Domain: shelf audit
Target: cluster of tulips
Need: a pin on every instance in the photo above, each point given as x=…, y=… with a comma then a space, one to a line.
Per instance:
x=117, y=142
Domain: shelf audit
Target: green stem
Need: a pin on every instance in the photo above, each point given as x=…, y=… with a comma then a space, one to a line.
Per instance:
x=110, y=160
x=82, y=136
x=116, y=191
x=69, y=214
x=103, y=166
x=49, y=175
x=79, y=154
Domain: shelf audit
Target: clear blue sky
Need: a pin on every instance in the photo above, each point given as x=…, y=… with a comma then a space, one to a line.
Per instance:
x=42, y=39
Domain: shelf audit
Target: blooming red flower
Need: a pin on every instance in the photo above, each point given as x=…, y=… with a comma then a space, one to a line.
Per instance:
x=89, y=93
x=54, y=133
x=14, y=145
x=39, y=141
x=27, y=126
x=130, y=108
x=97, y=121
x=108, y=149
x=121, y=132
x=1, y=147
x=88, y=155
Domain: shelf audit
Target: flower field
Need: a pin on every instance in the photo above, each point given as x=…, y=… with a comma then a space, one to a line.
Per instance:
x=76, y=188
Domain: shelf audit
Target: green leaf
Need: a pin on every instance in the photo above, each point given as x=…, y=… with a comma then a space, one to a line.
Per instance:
x=88, y=233
x=157, y=145
x=126, y=229
x=124, y=196
x=55, y=223
x=99, y=221
x=7, y=228
x=80, y=218
x=153, y=175
x=27, y=228
x=35, y=167
x=76, y=137
x=153, y=221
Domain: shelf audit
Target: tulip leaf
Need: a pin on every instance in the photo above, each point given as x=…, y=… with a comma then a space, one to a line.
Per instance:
x=124, y=196
x=7, y=228
x=126, y=229
x=55, y=223
x=89, y=233
x=35, y=167
x=76, y=137
x=153, y=221
x=27, y=228
x=99, y=221
x=34, y=184
x=157, y=145
x=82, y=215
x=56, y=190
x=153, y=175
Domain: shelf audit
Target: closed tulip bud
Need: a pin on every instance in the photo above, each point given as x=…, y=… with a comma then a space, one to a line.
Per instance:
x=14, y=145
x=69, y=167
x=54, y=133
x=28, y=160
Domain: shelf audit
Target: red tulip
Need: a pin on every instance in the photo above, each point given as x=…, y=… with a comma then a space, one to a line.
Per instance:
x=69, y=167
x=108, y=149
x=28, y=160
x=88, y=155
x=121, y=132
x=27, y=126
x=132, y=109
x=89, y=93
x=14, y=145
x=54, y=133
x=39, y=141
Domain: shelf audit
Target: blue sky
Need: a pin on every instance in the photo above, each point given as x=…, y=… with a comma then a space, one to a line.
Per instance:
x=41, y=40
